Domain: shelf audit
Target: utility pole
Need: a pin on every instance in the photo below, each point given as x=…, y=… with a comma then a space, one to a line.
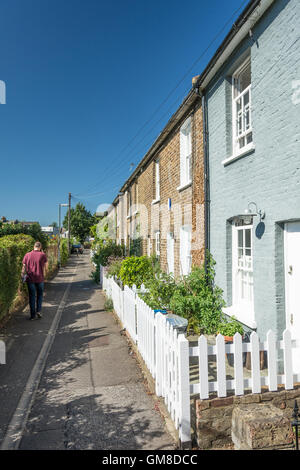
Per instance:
x=59, y=228
x=69, y=224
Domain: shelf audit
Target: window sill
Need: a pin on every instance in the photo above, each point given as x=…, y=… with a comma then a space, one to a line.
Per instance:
x=242, y=315
x=184, y=186
x=155, y=201
x=233, y=158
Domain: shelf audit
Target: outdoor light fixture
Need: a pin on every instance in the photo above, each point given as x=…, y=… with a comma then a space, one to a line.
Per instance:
x=258, y=212
x=247, y=217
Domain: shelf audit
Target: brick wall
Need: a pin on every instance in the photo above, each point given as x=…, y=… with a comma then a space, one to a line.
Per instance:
x=212, y=419
x=187, y=205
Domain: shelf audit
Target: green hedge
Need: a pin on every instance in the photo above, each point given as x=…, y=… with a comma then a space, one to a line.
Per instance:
x=12, y=250
x=64, y=251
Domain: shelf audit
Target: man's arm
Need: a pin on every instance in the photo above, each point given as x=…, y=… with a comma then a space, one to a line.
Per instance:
x=23, y=269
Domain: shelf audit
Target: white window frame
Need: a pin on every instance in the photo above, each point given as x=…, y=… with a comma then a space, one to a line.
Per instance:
x=242, y=308
x=185, y=251
x=157, y=182
x=246, y=110
x=170, y=252
x=186, y=154
x=157, y=243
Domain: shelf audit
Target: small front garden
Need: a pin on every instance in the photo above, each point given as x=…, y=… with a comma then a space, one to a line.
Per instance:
x=194, y=297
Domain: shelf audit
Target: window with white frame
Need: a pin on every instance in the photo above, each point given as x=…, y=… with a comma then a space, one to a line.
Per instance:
x=157, y=244
x=241, y=111
x=243, y=269
x=170, y=252
x=185, y=249
x=186, y=152
x=157, y=181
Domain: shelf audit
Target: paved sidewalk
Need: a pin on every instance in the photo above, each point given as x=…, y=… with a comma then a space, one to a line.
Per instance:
x=91, y=394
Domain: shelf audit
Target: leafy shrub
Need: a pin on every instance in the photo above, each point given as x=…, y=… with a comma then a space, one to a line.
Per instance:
x=64, y=251
x=108, y=305
x=114, y=266
x=230, y=327
x=12, y=250
x=197, y=299
x=160, y=289
x=106, y=250
x=52, y=253
x=136, y=270
x=33, y=230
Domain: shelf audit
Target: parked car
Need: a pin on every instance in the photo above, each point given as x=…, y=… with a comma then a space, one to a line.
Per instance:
x=78, y=248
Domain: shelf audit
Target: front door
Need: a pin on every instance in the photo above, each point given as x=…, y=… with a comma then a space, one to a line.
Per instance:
x=292, y=284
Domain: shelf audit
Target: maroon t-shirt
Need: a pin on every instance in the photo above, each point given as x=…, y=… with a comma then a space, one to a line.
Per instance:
x=35, y=262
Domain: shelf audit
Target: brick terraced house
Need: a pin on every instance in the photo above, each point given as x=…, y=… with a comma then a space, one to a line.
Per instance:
x=161, y=207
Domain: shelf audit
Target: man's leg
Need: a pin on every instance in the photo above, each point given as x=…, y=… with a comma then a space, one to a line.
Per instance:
x=31, y=292
x=39, y=300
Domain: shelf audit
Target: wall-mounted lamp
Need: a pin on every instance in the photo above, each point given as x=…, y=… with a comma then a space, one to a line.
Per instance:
x=247, y=217
x=259, y=212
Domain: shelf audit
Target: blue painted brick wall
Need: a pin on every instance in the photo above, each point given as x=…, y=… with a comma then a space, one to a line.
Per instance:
x=270, y=175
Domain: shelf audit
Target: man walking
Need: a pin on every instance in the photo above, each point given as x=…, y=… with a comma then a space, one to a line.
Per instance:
x=34, y=267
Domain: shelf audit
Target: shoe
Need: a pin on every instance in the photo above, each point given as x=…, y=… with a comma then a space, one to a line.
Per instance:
x=39, y=315
x=32, y=318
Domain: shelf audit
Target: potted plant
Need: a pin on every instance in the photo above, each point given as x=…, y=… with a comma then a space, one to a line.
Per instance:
x=228, y=328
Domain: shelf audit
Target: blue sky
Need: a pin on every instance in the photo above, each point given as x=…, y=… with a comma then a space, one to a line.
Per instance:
x=89, y=86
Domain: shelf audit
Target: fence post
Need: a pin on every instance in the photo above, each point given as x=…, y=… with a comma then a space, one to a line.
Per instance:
x=221, y=368
x=158, y=354
x=272, y=370
x=184, y=392
x=255, y=363
x=238, y=364
x=203, y=367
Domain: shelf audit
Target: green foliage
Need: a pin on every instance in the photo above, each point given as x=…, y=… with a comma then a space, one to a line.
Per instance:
x=136, y=270
x=230, y=327
x=160, y=289
x=108, y=305
x=115, y=267
x=64, y=251
x=52, y=259
x=33, y=230
x=106, y=250
x=81, y=220
x=12, y=250
x=197, y=299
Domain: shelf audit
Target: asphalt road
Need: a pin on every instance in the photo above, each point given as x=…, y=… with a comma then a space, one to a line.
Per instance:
x=69, y=381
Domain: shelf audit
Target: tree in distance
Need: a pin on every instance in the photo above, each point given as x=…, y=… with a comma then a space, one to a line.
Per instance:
x=81, y=221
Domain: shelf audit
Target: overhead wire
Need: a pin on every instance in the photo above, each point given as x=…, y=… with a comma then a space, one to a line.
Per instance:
x=116, y=160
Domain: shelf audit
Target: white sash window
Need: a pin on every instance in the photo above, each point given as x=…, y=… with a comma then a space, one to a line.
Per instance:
x=186, y=152
x=241, y=111
x=157, y=181
x=185, y=249
x=157, y=243
x=170, y=252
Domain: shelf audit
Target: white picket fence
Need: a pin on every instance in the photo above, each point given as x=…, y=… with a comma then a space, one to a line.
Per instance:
x=167, y=353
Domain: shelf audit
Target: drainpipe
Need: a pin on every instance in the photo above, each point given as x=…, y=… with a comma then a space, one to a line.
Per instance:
x=201, y=95
x=206, y=180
